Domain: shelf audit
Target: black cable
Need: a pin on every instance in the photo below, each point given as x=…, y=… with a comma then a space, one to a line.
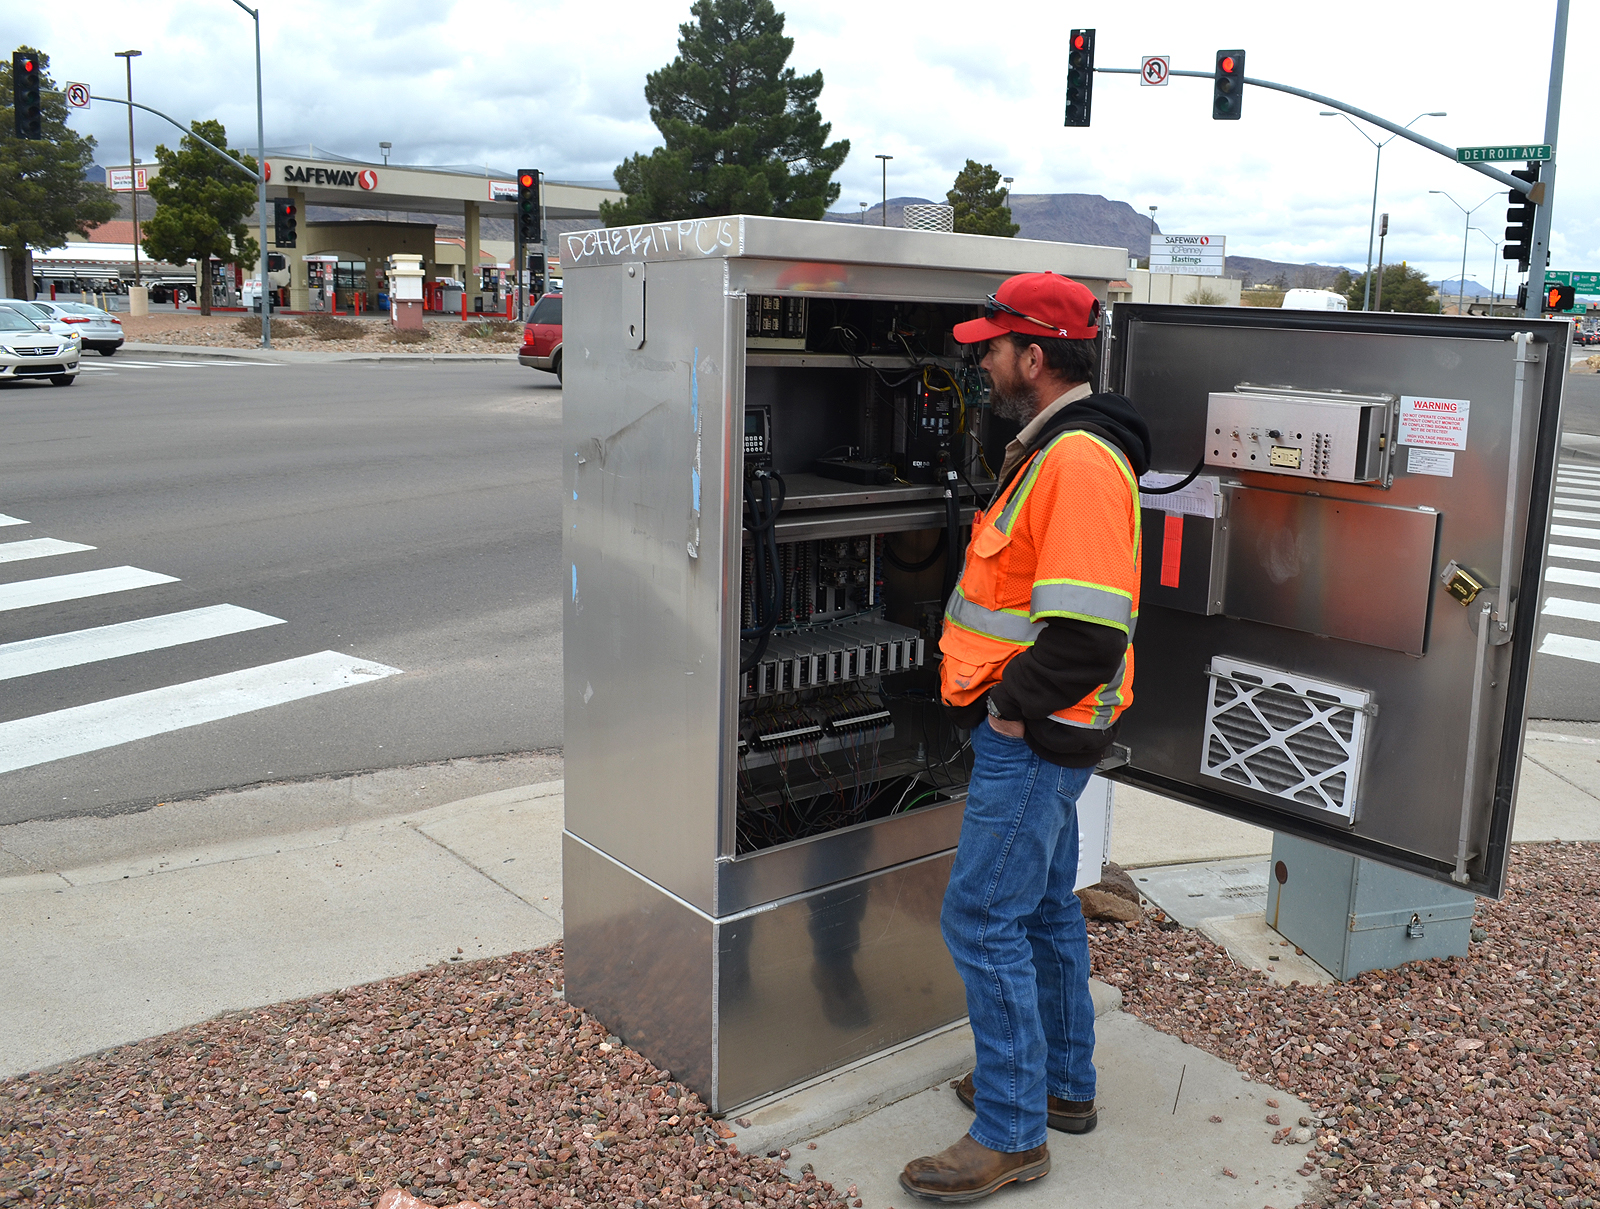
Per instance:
x=1179, y=486
x=761, y=517
x=952, y=528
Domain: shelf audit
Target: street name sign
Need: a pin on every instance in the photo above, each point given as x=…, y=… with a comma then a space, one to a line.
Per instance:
x=1581, y=283
x=1496, y=155
x=1194, y=255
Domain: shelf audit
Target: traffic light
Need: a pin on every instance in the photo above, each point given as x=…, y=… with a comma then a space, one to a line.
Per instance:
x=285, y=222
x=25, y=95
x=1519, y=221
x=1227, y=87
x=1558, y=298
x=1080, y=77
x=528, y=226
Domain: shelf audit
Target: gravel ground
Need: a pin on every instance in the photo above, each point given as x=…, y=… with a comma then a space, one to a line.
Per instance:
x=463, y=1081
x=290, y=332
x=1467, y=1081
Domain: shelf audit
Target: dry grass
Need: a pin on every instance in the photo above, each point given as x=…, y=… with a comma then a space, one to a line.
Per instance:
x=502, y=331
x=330, y=327
x=409, y=335
x=283, y=329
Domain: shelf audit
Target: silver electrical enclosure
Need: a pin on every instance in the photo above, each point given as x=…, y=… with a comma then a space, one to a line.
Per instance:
x=1330, y=642
x=727, y=912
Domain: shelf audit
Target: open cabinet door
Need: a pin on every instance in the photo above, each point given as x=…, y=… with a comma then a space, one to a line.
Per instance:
x=1330, y=642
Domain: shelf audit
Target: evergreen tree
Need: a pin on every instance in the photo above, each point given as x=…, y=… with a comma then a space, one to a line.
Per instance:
x=43, y=193
x=1404, y=289
x=742, y=131
x=201, y=207
x=980, y=202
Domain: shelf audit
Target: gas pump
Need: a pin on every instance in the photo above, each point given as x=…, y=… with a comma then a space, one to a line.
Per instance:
x=320, y=282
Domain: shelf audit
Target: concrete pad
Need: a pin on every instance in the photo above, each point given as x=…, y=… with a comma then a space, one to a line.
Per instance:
x=1155, y=1146
x=1204, y=890
x=82, y=968
x=1147, y=829
x=1250, y=942
x=864, y=1087
x=1549, y=805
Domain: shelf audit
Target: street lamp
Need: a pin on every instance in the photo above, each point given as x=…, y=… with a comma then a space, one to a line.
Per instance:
x=261, y=187
x=133, y=172
x=1372, y=227
x=1493, y=293
x=863, y=214
x=1461, y=298
x=383, y=150
x=1152, y=236
x=885, y=159
x=1005, y=195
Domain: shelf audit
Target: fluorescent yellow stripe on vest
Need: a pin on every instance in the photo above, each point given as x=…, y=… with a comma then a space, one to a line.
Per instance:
x=1084, y=601
x=1003, y=625
x=1107, y=700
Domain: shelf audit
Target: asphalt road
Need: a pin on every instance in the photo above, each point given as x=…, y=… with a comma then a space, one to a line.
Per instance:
x=398, y=516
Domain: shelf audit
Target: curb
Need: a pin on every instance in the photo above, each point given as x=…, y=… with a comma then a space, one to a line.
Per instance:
x=304, y=357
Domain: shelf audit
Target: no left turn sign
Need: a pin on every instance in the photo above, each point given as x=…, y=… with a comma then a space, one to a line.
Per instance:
x=1153, y=70
x=78, y=96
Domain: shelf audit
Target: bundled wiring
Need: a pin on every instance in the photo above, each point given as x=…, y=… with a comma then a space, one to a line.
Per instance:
x=761, y=508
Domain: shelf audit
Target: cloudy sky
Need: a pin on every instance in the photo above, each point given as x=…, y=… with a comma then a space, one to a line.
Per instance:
x=559, y=85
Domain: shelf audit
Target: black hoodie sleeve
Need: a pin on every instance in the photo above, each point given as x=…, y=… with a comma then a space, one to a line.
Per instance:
x=1067, y=662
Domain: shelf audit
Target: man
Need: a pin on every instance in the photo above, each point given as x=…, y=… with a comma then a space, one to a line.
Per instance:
x=1038, y=664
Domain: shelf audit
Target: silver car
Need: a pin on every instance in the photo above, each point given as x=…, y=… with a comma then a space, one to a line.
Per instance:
x=101, y=331
x=27, y=350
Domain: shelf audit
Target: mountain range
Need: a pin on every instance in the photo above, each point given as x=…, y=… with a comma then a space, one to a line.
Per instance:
x=1090, y=218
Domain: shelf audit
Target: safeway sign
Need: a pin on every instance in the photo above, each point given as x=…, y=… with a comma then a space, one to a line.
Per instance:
x=1193, y=255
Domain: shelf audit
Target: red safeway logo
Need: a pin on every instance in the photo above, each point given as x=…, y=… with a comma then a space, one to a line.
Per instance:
x=367, y=179
x=1205, y=239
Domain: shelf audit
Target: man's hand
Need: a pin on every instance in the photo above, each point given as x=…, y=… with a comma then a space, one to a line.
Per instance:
x=1011, y=728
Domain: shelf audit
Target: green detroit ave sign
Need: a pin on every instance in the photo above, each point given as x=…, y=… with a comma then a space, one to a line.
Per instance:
x=1496, y=155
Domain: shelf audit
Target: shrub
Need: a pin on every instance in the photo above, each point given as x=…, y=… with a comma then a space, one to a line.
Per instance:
x=330, y=327
x=409, y=335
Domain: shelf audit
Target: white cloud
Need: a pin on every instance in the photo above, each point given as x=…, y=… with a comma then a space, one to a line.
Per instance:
x=559, y=84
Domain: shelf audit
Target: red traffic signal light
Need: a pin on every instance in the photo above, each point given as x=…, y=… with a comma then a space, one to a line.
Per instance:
x=525, y=180
x=1227, y=86
x=1227, y=64
x=1077, y=42
x=1080, y=77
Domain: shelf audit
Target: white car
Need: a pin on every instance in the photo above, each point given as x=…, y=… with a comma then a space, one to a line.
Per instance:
x=100, y=331
x=27, y=350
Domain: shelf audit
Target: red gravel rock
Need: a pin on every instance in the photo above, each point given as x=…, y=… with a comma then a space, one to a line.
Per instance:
x=465, y=1082
x=1453, y=1082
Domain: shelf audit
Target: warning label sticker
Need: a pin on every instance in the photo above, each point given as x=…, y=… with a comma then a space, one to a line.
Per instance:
x=1434, y=423
x=1428, y=461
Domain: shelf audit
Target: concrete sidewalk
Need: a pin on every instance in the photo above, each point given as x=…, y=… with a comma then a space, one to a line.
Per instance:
x=149, y=933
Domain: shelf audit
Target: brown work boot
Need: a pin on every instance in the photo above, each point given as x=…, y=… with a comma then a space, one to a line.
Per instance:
x=1069, y=1116
x=970, y=1171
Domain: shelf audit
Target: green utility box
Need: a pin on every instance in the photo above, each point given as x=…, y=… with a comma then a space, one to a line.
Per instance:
x=1351, y=915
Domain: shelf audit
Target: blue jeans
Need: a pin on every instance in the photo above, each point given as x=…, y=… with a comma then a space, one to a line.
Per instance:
x=1016, y=931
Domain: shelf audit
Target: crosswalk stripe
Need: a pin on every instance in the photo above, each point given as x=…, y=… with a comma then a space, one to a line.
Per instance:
x=1569, y=647
x=38, y=547
x=84, y=728
x=1583, y=610
x=1583, y=532
x=27, y=593
x=1571, y=575
x=1580, y=553
x=9, y=520
x=56, y=651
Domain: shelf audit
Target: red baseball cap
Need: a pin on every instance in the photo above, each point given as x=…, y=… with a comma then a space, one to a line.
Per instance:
x=1036, y=304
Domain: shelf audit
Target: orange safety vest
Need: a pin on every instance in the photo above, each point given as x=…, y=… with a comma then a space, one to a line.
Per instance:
x=1062, y=541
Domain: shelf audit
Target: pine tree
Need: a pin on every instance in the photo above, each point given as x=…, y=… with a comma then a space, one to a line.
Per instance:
x=980, y=203
x=43, y=193
x=201, y=207
x=742, y=131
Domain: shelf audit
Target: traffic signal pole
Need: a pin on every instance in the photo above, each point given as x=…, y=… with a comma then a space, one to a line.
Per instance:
x=1539, y=254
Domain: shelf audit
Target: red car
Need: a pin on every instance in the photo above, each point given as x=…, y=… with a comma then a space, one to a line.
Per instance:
x=541, y=338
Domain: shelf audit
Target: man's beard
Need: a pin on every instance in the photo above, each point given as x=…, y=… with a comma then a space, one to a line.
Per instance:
x=1018, y=405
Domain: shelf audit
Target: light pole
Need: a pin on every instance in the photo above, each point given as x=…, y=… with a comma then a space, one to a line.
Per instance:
x=1461, y=298
x=863, y=214
x=261, y=187
x=383, y=150
x=1494, y=294
x=1005, y=194
x=885, y=159
x=1151, y=252
x=133, y=173
x=1372, y=227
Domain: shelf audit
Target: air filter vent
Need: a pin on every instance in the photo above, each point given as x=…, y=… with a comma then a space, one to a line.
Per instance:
x=1286, y=735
